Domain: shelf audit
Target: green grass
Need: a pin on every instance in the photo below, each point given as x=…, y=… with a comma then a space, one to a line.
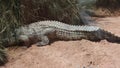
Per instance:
x=9, y=20
x=66, y=11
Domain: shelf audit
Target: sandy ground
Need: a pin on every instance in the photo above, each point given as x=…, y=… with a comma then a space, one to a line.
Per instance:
x=71, y=54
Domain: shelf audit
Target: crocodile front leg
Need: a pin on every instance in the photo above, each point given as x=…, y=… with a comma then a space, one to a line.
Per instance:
x=24, y=40
x=44, y=41
x=44, y=36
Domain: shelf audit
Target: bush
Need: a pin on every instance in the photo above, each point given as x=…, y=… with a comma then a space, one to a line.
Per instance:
x=9, y=20
x=61, y=10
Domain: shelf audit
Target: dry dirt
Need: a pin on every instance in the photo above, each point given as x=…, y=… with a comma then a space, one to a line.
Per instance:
x=71, y=54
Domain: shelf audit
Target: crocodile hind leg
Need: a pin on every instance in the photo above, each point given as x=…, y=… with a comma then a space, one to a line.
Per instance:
x=44, y=36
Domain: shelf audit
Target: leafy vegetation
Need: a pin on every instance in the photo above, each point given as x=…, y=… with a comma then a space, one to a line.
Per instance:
x=3, y=56
x=9, y=20
x=109, y=7
x=87, y=4
x=62, y=10
x=108, y=4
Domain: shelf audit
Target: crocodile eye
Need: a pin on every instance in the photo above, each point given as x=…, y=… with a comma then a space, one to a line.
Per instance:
x=13, y=35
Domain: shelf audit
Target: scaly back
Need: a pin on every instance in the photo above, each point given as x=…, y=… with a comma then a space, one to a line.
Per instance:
x=64, y=26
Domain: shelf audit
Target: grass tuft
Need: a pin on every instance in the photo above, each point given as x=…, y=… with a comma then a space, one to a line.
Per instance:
x=9, y=20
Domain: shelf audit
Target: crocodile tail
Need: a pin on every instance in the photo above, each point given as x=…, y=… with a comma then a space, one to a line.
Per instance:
x=110, y=37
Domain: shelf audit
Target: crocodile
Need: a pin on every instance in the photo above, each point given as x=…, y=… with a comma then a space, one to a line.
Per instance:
x=44, y=32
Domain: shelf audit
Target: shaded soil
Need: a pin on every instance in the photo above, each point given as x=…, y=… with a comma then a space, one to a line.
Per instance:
x=71, y=54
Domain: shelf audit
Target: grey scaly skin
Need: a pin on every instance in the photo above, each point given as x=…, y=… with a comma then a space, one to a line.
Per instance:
x=41, y=33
